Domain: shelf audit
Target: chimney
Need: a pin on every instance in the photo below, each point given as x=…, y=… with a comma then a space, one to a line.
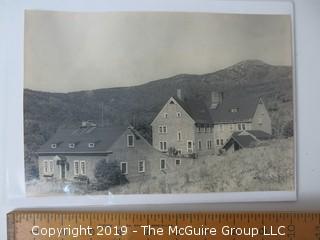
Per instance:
x=179, y=94
x=216, y=99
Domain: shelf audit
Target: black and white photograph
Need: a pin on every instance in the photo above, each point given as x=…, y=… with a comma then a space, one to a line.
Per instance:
x=158, y=103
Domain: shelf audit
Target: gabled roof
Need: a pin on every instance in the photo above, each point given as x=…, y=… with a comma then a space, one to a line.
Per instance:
x=247, y=138
x=196, y=108
x=260, y=135
x=244, y=106
x=102, y=137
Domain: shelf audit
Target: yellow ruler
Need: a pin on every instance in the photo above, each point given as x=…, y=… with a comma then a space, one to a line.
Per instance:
x=25, y=225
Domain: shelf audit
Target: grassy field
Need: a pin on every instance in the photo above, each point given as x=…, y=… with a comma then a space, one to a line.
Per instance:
x=268, y=167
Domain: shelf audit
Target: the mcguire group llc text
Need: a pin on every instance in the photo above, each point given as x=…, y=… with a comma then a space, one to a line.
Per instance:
x=149, y=230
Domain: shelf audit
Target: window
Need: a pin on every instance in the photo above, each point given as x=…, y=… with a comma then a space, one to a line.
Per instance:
x=141, y=166
x=179, y=135
x=178, y=162
x=218, y=142
x=206, y=129
x=209, y=144
x=178, y=114
x=51, y=166
x=45, y=166
x=83, y=167
x=164, y=129
x=163, y=145
x=76, y=168
x=234, y=110
x=163, y=164
x=71, y=145
x=48, y=166
x=199, y=129
x=165, y=115
x=243, y=126
x=221, y=141
x=130, y=141
x=53, y=145
x=199, y=144
x=189, y=147
x=124, y=167
x=91, y=145
x=239, y=126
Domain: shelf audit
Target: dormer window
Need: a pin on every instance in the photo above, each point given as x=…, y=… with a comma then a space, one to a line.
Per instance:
x=53, y=145
x=91, y=145
x=234, y=110
x=71, y=145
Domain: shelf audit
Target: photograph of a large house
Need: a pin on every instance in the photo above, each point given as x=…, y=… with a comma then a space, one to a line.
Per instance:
x=229, y=129
x=180, y=129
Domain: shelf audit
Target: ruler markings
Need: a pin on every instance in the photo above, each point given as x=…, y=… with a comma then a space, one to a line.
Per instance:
x=301, y=223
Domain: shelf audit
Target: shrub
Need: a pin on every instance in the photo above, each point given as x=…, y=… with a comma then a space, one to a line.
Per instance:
x=108, y=174
x=82, y=178
x=31, y=171
x=172, y=151
x=193, y=155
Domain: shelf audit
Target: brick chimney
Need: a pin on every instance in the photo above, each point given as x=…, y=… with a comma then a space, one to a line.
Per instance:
x=216, y=99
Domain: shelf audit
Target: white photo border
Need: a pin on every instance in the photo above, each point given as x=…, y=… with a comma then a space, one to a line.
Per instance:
x=14, y=55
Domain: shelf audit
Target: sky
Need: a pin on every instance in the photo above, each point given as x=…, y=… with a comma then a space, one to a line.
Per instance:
x=67, y=52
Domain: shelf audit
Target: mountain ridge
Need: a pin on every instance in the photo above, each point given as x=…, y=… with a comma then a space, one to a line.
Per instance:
x=45, y=112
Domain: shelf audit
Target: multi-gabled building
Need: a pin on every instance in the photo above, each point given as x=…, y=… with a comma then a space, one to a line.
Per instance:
x=189, y=126
x=182, y=123
x=72, y=154
x=183, y=127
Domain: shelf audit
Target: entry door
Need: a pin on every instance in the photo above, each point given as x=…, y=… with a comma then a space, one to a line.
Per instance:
x=62, y=171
